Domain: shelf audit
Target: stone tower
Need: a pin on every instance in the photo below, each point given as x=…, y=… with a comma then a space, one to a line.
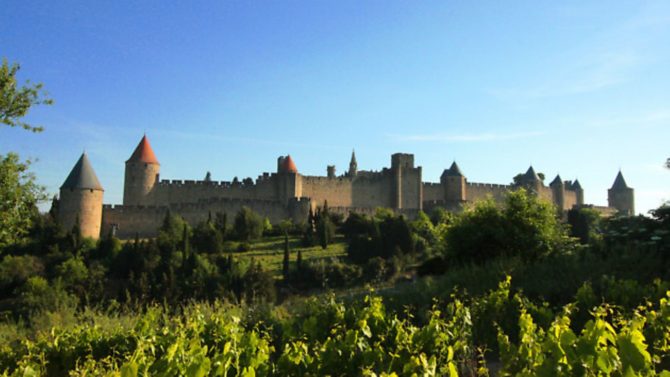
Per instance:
x=289, y=181
x=353, y=165
x=81, y=199
x=579, y=192
x=454, y=184
x=558, y=192
x=621, y=197
x=407, y=187
x=142, y=173
x=531, y=181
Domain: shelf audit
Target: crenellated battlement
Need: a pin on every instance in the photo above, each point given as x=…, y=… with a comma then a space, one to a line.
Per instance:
x=193, y=183
x=432, y=184
x=489, y=185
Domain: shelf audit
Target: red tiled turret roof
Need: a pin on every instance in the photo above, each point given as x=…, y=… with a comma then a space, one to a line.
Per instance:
x=143, y=153
x=289, y=165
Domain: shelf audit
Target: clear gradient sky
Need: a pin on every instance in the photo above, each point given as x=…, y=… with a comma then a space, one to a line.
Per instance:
x=577, y=88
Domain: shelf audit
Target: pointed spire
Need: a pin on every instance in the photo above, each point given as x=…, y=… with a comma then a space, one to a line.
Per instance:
x=144, y=153
x=619, y=182
x=289, y=165
x=82, y=176
x=353, y=165
x=531, y=175
x=576, y=185
x=557, y=181
x=454, y=170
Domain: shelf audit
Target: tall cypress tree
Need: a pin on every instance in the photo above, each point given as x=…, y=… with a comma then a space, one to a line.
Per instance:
x=286, y=257
x=298, y=261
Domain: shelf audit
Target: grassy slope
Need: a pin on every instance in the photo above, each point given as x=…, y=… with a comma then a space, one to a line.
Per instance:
x=270, y=252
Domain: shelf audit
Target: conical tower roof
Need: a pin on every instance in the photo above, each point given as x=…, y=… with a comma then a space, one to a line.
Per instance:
x=619, y=182
x=289, y=165
x=576, y=185
x=82, y=176
x=454, y=170
x=144, y=153
x=353, y=158
x=556, y=181
x=531, y=175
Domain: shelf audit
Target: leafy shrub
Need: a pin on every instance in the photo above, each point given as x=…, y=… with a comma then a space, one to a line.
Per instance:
x=248, y=225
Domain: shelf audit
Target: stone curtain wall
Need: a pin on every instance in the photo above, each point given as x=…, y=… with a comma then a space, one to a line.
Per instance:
x=145, y=220
x=178, y=191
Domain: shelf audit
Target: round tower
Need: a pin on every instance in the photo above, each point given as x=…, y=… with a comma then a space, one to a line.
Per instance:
x=81, y=199
x=558, y=192
x=289, y=180
x=142, y=173
x=454, y=184
x=621, y=197
x=531, y=181
x=579, y=192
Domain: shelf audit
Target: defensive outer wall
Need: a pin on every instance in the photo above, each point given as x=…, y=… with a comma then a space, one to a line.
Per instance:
x=287, y=194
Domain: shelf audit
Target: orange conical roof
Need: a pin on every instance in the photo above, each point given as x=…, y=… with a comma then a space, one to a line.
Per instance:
x=143, y=153
x=289, y=165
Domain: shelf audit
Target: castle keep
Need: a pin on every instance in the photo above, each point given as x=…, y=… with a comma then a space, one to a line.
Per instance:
x=287, y=194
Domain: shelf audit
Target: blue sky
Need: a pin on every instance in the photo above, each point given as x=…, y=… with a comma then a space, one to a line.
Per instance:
x=576, y=88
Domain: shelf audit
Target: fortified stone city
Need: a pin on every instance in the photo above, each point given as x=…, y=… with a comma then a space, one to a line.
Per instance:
x=287, y=194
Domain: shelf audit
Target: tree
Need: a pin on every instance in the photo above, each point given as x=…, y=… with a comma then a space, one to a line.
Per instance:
x=524, y=226
x=16, y=101
x=287, y=255
x=325, y=229
x=248, y=225
x=19, y=195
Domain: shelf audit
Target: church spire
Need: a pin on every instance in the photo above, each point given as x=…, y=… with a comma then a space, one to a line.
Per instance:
x=353, y=165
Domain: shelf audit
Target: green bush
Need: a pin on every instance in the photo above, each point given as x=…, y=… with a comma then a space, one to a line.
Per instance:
x=248, y=225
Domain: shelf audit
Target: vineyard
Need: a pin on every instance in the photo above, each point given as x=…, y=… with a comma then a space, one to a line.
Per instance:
x=323, y=336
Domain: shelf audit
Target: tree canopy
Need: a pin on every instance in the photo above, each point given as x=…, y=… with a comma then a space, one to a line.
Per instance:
x=19, y=193
x=524, y=226
x=18, y=196
x=15, y=100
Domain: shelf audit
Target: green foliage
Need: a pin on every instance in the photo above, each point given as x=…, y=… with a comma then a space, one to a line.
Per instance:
x=207, y=239
x=38, y=295
x=525, y=226
x=384, y=235
x=172, y=229
x=608, y=344
x=16, y=270
x=248, y=225
x=15, y=100
x=287, y=257
x=585, y=224
x=324, y=336
x=325, y=230
x=19, y=195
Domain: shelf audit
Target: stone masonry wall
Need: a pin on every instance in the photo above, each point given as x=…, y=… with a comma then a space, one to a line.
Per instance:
x=188, y=191
x=373, y=191
x=145, y=220
x=570, y=199
x=433, y=192
x=479, y=191
x=337, y=191
x=84, y=204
